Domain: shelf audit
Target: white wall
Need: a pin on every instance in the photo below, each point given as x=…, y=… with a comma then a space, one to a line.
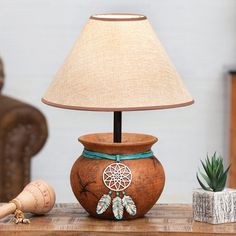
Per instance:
x=199, y=36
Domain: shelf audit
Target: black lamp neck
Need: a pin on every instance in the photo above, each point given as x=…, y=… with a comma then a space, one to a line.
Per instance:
x=117, y=126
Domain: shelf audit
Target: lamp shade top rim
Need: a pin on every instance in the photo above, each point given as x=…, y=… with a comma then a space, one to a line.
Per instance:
x=118, y=17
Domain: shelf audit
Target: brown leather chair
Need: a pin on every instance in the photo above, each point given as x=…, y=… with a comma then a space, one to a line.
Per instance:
x=23, y=132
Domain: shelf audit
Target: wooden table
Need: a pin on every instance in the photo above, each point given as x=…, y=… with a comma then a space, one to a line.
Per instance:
x=71, y=219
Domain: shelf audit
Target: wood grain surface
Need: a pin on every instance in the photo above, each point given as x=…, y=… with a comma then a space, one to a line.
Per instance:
x=71, y=219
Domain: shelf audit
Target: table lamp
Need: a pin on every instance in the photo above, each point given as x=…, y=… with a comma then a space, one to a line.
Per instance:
x=117, y=64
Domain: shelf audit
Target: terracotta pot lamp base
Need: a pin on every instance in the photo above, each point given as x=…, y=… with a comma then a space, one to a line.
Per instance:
x=117, y=64
x=120, y=184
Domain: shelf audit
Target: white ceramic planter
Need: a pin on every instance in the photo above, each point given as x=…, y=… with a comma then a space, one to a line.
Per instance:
x=214, y=207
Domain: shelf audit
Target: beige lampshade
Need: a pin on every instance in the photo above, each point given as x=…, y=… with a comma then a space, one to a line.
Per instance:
x=117, y=64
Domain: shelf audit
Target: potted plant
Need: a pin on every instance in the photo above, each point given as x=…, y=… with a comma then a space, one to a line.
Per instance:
x=214, y=203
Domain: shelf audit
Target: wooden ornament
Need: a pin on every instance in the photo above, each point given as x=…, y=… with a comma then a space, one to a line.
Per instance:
x=38, y=197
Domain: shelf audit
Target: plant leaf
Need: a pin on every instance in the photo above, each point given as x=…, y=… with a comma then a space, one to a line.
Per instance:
x=215, y=176
x=206, y=170
x=209, y=165
x=202, y=185
x=206, y=178
x=222, y=180
x=220, y=168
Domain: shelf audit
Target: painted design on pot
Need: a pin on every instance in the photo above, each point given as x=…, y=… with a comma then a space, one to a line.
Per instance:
x=117, y=177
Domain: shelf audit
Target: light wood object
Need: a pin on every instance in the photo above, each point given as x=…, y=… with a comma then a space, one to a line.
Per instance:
x=37, y=197
x=71, y=219
x=232, y=157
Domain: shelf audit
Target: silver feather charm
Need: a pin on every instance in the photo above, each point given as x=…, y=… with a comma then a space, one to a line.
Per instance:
x=103, y=204
x=129, y=205
x=117, y=208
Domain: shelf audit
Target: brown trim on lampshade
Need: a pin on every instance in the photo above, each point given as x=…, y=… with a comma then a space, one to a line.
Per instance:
x=116, y=109
x=140, y=17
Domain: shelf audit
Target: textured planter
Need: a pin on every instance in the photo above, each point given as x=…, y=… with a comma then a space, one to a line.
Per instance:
x=214, y=207
x=147, y=174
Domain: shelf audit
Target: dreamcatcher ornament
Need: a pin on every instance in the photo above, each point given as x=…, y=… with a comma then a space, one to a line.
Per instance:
x=117, y=177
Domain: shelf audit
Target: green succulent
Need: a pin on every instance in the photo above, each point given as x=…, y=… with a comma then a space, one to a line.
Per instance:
x=215, y=176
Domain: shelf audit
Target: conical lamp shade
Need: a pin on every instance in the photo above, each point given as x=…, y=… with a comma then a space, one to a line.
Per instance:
x=117, y=64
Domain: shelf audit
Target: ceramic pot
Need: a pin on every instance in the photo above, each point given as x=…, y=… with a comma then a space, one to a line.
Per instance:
x=148, y=176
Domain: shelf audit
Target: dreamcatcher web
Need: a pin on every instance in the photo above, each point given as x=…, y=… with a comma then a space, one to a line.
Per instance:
x=117, y=177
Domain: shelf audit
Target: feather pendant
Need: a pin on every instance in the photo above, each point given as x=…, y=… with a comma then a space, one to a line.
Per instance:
x=129, y=205
x=117, y=208
x=103, y=204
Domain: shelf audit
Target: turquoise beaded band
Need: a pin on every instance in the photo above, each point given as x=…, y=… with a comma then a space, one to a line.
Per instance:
x=118, y=158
